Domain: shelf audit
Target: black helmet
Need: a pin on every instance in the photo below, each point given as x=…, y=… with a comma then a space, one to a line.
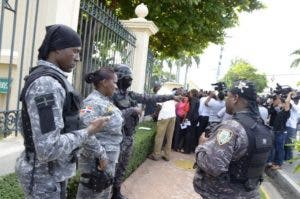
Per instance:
x=123, y=71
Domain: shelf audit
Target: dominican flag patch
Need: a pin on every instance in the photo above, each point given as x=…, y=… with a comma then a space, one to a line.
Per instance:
x=87, y=109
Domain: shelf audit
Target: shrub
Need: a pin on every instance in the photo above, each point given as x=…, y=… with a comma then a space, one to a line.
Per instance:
x=10, y=187
x=143, y=145
x=72, y=186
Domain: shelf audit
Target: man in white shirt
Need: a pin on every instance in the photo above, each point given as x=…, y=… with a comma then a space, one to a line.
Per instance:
x=203, y=117
x=224, y=115
x=215, y=104
x=165, y=127
x=263, y=111
x=291, y=125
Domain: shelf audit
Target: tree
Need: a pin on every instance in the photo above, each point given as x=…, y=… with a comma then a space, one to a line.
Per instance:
x=170, y=65
x=296, y=62
x=241, y=69
x=186, y=27
x=158, y=75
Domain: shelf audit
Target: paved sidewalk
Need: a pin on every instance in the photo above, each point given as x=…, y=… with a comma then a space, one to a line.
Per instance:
x=10, y=149
x=171, y=180
x=163, y=180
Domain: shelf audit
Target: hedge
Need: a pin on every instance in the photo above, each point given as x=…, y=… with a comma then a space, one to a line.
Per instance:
x=10, y=187
x=143, y=145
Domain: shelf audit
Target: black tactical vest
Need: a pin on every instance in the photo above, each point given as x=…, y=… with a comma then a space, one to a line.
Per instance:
x=249, y=169
x=124, y=100
x=71, y=106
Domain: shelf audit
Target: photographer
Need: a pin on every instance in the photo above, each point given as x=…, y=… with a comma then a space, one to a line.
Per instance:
x=274, y=109
x=215, y=103
x=280, y=113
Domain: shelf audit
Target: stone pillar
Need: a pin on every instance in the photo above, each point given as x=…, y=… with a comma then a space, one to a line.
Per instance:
x=142, y=29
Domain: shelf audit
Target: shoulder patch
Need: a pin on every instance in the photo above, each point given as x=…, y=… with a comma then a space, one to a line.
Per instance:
x=224, y=136
x=110, y=108
x=44, y=105
x=87, y=109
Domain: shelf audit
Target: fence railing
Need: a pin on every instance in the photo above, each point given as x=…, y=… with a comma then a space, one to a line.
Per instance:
x=18, y=20
x=105, y=41
x=149, y=68
x=9, y=121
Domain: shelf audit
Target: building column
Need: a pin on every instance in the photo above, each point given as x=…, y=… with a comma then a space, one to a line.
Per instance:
x=142, y=29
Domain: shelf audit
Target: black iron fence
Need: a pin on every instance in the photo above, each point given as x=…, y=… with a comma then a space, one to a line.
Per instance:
x=105, y=41
x=18, y=20
x=149, y=68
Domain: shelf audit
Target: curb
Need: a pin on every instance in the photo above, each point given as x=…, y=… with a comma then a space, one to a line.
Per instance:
x=262, y=188
x=286, y=186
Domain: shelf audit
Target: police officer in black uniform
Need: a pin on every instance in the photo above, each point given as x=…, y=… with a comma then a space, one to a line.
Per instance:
x=231, y=161
x=124, y=99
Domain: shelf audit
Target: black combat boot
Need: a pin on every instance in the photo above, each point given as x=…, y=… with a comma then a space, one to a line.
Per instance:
x=117, y=193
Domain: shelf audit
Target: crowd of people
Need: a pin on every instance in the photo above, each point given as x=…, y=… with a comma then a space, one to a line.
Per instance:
x=193, y=115
x=199, y=111
x=230, y=138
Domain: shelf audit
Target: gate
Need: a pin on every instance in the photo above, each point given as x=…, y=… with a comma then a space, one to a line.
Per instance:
x=18, y=19
x=149, y=83
x=105, y=41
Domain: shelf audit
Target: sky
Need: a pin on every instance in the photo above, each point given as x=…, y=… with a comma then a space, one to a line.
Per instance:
x=265, y=38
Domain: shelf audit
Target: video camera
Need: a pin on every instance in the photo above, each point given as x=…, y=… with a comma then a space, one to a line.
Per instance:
x=297, y=97
x=284, y=90
x=219, y=86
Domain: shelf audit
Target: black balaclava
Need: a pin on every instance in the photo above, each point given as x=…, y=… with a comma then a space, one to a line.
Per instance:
x=58, y=37
x=124, y=76
x=247, y=90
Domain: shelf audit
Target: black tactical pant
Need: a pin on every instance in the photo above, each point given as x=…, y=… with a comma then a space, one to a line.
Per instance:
x=203, y=122
x=125, y=154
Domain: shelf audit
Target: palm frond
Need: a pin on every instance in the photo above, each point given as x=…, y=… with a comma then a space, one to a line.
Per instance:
x=197, y=60
x=295, y=63
x=296, y=52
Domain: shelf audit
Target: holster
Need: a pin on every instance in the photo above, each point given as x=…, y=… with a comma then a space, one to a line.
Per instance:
x=97, y=181
x=251, y=184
